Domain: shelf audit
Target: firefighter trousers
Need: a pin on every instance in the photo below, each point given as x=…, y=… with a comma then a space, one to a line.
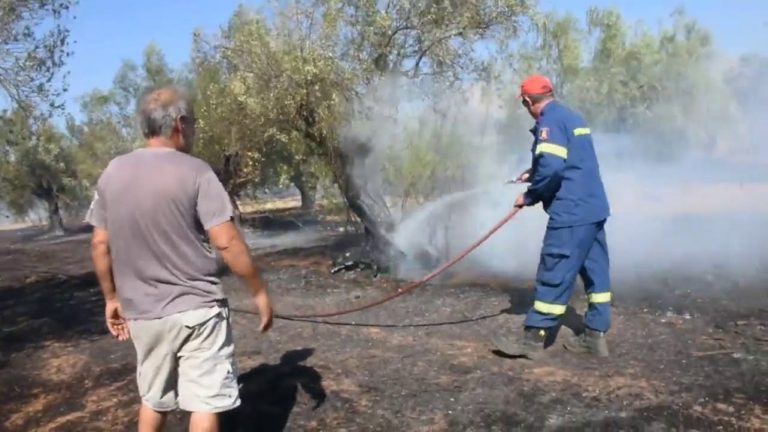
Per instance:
x=569, y=252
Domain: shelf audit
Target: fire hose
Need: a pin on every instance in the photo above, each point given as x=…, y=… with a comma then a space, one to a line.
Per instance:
x=402, y=290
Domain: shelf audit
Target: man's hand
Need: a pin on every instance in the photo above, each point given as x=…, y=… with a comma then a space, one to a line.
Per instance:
x=264, y=305
x=116, y=322
x=524, y=176
x=520, y=201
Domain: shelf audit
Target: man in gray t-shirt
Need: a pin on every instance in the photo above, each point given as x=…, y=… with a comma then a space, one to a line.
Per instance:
x=159, y=217
x=157, y=204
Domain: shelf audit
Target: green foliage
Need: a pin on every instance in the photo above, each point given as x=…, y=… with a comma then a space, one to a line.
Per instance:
x=108, y=127
x=553, y=45
x=37, y=161
x=431, y=162
x=275, y=91
x=627, y=79
x=416, y=39
x=266, y=94
x=38, y=166
x=33, y=48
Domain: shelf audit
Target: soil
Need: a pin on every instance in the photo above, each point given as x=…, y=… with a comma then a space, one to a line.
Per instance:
x=682, y=358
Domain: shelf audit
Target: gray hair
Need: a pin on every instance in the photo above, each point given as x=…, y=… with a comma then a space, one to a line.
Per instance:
x=159, y=108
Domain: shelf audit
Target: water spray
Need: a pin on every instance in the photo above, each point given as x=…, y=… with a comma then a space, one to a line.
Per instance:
x=412, y=285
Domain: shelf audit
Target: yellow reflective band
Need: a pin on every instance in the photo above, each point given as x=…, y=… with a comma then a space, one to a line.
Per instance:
x=582, y=131
x=554, y=149
x=549, y=308
x=603, y=297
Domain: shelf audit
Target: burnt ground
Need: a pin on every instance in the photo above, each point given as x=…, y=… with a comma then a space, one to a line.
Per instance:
x=683, y=358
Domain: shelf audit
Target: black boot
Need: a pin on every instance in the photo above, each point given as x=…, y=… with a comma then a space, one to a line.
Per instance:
x=589, y=342
x=530, y=345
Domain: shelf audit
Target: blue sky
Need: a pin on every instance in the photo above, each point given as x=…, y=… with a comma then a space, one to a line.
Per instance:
x=106, y=32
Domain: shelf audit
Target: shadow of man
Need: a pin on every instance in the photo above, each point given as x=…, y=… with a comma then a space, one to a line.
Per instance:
x=269, y=393
x=520, y=302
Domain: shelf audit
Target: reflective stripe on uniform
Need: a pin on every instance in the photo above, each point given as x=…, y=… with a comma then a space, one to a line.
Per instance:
x=549, y=308
x=554, y=149
x=603, y=297
x=582, y=131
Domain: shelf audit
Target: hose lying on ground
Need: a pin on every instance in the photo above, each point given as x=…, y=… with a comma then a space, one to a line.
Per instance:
x=401, y=291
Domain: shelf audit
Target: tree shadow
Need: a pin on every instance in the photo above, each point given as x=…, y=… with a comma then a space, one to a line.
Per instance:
x=42, y=234
x=269, y=393
x=520, y=302
x=571, y=320
x=67, y=307
x=520, y=299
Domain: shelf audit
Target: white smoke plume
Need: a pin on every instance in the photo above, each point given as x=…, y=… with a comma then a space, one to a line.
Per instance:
x=703, y=212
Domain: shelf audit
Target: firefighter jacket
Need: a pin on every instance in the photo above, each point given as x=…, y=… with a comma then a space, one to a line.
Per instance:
x=565, y=175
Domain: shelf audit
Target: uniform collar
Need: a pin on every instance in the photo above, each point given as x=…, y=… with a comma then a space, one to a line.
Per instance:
x=547, y=108
x=552, y=105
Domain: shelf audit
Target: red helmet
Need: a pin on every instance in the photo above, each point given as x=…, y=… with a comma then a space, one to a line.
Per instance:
x=536, y=84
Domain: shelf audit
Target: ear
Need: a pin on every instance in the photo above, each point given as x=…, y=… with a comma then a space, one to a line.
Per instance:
x=178, y=124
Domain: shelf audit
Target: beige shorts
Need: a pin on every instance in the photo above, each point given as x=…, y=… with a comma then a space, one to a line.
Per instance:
x=186, y=361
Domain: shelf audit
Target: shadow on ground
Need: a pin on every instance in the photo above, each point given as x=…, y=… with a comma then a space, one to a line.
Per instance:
x=269, y=393
x=69, y=307
x=571, y=320
x=41, y=235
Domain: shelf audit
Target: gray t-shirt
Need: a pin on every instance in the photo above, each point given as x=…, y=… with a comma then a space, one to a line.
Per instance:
x=156, y=204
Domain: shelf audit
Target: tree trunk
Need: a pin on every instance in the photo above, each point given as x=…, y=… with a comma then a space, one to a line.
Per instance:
x=306, y=183
x=55, y=221
x=228, y=174
x=366, y=206
x=307, y=197
x=236, y=209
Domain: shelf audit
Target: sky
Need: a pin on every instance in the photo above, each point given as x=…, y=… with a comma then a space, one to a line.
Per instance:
x=107, y=32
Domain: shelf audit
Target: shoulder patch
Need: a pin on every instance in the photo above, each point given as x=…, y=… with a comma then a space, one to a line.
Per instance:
x=543, y=134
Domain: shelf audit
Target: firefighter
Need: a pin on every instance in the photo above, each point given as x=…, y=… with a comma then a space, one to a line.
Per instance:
x=565, y=178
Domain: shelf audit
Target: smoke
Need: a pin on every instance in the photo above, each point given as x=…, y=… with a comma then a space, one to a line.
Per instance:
x=692, y=201
x=265, y=241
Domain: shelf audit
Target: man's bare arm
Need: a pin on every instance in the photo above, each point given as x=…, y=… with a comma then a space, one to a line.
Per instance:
x=214, y=209
x=102, y=262
x=227, y=240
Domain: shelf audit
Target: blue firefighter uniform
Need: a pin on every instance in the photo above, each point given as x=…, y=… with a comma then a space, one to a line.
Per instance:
x=565, y=178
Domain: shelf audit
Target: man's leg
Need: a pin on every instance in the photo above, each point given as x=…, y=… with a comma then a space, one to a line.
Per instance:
x=597, y=284
x=203, y=422
x=562, y=255
x=151, y=420
x=207, y=371
x=155, y=371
